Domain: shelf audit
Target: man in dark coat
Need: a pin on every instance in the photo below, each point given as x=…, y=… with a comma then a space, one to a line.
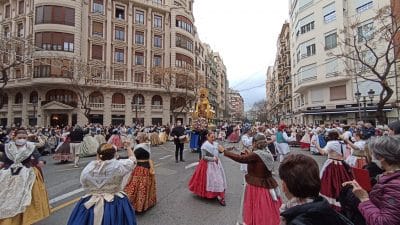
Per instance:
x=177, y=133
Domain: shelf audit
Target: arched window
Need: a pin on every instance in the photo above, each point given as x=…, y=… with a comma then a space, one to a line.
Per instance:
x=18, y=98
x=156, y=100
x=96, y=97
x=33, y=97
x=118, y=98
x=61, y=95
x=138, y=99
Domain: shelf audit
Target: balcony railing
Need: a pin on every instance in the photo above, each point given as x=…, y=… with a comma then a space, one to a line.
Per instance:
x=139, y=107
x=156, y=107
x=96, y=105
x=118, y=106
x=70, y=103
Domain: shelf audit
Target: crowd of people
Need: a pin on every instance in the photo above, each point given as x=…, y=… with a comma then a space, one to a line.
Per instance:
x=359, y=183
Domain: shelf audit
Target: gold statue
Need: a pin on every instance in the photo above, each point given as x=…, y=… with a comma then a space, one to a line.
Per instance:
x=203, y=108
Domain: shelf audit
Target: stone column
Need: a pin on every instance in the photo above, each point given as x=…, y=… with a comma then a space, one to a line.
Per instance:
x=10, y=118
x=147, y=109
x=129, y=50
x=24, y=114
x=70, y=118
x=128, y=109
x=107, y=108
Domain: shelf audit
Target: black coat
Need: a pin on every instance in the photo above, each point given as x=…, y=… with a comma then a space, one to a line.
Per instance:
x=317, y=212
x=178, y=131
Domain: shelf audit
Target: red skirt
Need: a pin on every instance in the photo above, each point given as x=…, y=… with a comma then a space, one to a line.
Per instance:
x=259, y=208
x=334, y=175
x=304, y=146
x=198, y=182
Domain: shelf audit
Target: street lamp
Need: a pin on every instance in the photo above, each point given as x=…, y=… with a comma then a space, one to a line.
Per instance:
x=358, y=96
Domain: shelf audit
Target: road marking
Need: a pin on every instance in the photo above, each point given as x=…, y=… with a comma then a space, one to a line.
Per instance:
x=65, y=205
x=192, y=165
x=68, y=169
x=167, y=156
x=66, y=195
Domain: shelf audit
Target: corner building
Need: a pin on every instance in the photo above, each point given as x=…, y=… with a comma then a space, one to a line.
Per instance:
x=122, y=40
x=323, y=90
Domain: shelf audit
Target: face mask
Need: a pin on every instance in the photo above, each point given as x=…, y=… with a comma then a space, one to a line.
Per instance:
x=20, y=142
x=376, y=161
x=178, y=124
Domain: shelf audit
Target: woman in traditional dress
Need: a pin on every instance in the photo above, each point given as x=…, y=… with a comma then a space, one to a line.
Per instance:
x=234, y=137
x=358, y=155
x=63, y=150
x=154, y=138
x=22, y=182
x=306, y=140
x=103, y=180
x=282, y=140
x=262, y=196
x=162, y=135
x=335, y=171
x=208, y=180
x=89, y=146
x=115, y=139
x=141, y=189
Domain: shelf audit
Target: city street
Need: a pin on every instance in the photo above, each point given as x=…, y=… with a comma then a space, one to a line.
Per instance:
x=175, y=203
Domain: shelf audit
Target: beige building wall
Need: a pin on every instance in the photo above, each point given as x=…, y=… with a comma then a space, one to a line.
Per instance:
x=124, y=88
x=323, y=88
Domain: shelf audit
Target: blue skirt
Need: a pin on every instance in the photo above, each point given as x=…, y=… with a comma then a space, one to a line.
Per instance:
x=117, y=212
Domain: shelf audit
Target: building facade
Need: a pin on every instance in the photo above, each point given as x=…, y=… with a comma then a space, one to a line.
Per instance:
x=236, y=106
x=279, y=81
x=131, y=48
x=323, y=86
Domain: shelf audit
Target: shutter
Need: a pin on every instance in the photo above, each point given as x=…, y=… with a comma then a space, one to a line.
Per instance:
x=98, y=28
x=338, y=93
x=317, y=96
x=329, y=8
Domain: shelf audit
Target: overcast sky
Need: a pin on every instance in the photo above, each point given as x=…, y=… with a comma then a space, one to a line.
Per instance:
x=245, y=34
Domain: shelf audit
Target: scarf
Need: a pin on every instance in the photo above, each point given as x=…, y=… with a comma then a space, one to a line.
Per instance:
x=266, y=157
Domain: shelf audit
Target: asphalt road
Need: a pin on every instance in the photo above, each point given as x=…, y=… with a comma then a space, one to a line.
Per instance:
x=175, y=203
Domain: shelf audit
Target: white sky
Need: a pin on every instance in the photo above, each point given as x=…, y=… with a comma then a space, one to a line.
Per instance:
x=245, y=34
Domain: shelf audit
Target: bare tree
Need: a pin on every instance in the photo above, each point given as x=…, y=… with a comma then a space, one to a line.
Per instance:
x=81, y=78
x=368, y=53
x=259, y=110
x=180, y=87
x=15, y=52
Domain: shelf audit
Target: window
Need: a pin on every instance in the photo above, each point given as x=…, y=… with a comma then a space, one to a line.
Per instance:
x=55, y=41
x=310, y=50
x=139, y=38
x=157, y=41
x=190, y=6
x=330, y=41
x=139, y=77
x=118, y=98
x=184, y=42
x=329, y=13
x=331, y=67
x=7, y=11
x=98, y=6
x=97, y=29
x=306, y=49
x=139, y=17
x=184, y=23
x=20, y=30
x=119, y=33
x=41, y=71
x=363, y=5
x=139, y=58
x=119, y=75
x=157, y=1
x=157, y=60
x=183, y=61
x=96, y=97
x=157, y=21
x=307, y=73
x=7, y=32
x=120, y=13
x=365, y=32
x=317, y=96
x=18, y=73
x=18, y=98
x=338, y=93
x=49, y=14
x=119, y=55
x=306, y=24
x=97, y=52
x=138, y=99
x=21, y=7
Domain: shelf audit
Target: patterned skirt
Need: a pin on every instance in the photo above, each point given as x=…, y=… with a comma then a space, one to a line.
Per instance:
x=333, y=175
x=198, y=182
x=141, y=189
x=37, y=210
x=63, y=152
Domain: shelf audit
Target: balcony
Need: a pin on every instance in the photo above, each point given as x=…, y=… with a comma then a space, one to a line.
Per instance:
x=157, y=107
x=118, y=107
x=138, y=107
x=17, y=107
x=95, y=106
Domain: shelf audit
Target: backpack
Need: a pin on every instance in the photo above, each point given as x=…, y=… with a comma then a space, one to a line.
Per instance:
x=321, y=140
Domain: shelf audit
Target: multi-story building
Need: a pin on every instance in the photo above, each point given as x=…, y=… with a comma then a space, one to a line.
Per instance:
x=122, y=41
x=395, y=5
x=222, y=85
x=324, y=86
x=236, y=105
